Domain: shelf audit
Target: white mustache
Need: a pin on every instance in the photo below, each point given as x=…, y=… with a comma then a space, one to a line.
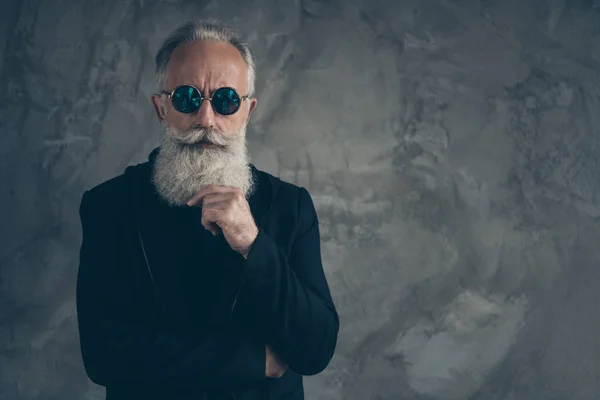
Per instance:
x=197, y=135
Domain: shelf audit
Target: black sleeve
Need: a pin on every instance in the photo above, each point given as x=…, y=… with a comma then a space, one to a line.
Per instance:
x=120, y=346
x=287, y=300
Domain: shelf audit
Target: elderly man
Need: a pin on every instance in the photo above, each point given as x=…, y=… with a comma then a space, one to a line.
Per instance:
x=200, y=276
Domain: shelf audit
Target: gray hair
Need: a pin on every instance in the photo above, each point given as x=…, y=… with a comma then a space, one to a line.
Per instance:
x=197, y=30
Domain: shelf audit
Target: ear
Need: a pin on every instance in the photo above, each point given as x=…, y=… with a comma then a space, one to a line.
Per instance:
x=158, y=107
x=252, y=103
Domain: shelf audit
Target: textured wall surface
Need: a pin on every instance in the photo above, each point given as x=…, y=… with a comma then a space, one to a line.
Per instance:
x=450, y=147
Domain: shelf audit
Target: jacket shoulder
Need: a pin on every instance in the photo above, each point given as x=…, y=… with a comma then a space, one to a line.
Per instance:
x=113, y=192
x=290, y=195
x=281, y=187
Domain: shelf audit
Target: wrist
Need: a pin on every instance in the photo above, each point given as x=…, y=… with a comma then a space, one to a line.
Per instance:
x=245, y=252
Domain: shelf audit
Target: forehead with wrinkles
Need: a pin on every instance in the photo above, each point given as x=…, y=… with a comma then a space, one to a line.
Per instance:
x=207, y=65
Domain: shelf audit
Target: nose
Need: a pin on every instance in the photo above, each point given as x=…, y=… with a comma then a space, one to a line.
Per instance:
x=205, y=116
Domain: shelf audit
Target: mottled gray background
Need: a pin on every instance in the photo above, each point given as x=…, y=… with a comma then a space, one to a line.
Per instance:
x=450, y=147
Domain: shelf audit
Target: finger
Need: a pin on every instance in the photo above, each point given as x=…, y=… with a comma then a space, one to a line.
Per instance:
x=209, y=189
x=197, y=198
x=215, y=198
x=210, y=214
x=217, y=205
x=212, y=227
x=211, y=220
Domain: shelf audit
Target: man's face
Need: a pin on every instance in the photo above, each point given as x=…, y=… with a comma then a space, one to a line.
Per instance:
x=207, y=65
x=204, y=147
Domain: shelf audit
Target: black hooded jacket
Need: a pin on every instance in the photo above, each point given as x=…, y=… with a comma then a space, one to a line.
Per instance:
x=166, y=310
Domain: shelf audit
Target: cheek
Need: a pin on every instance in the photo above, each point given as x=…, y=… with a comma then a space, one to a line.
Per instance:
x=180, y=121
x=237, y=122
x=226, y=124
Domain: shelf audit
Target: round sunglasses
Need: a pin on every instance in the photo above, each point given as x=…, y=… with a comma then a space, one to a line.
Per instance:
x=187, y=99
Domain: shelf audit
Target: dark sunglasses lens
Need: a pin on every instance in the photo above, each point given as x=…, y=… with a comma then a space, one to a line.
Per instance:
x=225, y=101
x=186, y=99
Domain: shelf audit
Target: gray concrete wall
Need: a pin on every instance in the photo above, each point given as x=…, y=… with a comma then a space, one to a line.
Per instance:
x=450, y=146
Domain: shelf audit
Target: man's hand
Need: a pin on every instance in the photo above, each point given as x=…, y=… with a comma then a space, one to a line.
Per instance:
x=275, y=367
x=225, y=209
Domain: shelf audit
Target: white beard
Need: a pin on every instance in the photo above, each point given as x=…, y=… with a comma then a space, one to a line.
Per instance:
x=181, y=169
